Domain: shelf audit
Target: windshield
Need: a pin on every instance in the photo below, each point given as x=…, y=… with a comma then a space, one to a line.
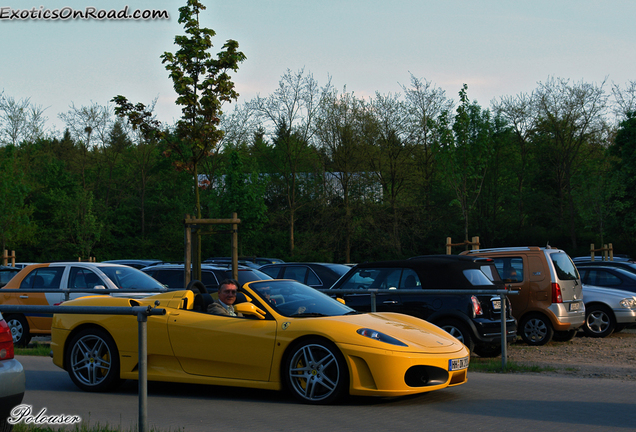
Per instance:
x=293, y=299
x=564, y=267
x=130, y=278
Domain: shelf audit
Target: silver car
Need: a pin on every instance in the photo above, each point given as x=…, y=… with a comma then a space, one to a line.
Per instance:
x=12, y=379
x=607, y=310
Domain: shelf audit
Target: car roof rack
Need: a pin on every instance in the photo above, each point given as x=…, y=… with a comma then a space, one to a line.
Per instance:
x=506, y=249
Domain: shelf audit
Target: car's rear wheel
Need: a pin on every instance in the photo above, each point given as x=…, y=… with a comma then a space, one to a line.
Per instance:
x=19, y=330
x=536, y=329
x=599, y=321
x=93, y=360
x=564, y=336
x=315, y=372
x=459, y=331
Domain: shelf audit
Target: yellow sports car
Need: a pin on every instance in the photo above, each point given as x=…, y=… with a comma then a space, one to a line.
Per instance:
x=289, y=337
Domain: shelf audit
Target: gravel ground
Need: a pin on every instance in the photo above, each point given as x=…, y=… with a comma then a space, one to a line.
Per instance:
x=612, y=357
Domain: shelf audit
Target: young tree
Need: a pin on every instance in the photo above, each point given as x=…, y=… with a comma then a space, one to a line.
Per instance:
x=203, y=85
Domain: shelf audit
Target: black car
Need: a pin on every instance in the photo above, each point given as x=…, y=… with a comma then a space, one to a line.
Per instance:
x=608, y=277
x=473, y=319
x=316, y=275
x=171, y=275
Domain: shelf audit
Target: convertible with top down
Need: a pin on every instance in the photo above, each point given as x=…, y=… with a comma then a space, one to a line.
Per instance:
x=290, y=336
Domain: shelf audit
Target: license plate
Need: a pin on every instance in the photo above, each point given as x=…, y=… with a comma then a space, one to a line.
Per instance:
x=457, y=364
x=496, y=304
x=575, y=306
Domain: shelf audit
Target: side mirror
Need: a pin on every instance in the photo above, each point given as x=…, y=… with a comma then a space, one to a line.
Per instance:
x=341, y=300
x=249, y=309
x=99, y=287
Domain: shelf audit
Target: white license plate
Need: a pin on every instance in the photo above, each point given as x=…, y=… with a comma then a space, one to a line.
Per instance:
x=457, y=364
x=575, y=306
x=496, y=304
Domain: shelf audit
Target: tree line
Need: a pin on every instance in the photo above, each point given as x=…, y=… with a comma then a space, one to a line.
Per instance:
x=320, y=174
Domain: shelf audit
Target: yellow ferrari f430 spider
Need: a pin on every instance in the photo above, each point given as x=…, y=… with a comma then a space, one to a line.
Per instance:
x=289, y=336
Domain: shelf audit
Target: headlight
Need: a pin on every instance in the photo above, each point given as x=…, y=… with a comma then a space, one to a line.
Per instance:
x=380, y=337
x=629, y=303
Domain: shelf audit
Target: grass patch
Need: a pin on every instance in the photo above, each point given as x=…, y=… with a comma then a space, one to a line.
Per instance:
x=34, y=349
x=494, y=365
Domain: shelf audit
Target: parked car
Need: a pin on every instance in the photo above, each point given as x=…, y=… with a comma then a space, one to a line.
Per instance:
x=597, y=259
x=308, y=343
x=608, y=277
x=607, y=310
x=316, y=275
x=630, y=266
x=6, y=274
x=258, y=261
x=12, y=377
x=136, y=263
x=473, y=319
x=228, y=262
x=550, y=300
x=171, y=275
x=85, y=275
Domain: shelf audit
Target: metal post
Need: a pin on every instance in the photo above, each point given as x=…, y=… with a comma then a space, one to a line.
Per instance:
x=504, y=333
x=188, y=253
x=373, y=306
x=234, y=247
x=142, y=319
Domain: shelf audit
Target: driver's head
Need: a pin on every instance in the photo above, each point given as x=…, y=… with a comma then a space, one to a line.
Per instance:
x=227, y=291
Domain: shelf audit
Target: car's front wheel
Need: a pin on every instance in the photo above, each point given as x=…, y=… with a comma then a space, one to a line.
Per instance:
x=315, y=372
x=19, y=330
x=599, y=321
x=93, y=360
x=536, y=329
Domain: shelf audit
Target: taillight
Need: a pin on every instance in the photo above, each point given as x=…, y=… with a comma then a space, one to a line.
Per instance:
x=556, y=293
x=476, y=306
x=6, y=341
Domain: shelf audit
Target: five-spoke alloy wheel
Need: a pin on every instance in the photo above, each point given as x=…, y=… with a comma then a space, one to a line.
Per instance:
x=93, y=360
x=315, y=372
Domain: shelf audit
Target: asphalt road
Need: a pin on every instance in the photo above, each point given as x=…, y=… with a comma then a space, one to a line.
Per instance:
x=488, y=402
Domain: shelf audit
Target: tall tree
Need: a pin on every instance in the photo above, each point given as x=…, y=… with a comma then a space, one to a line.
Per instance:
x=203, y=85
x=467, y=154
x=569, y=116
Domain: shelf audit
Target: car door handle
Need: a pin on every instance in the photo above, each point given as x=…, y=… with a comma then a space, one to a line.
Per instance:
x=390, y=302
x=24, y=296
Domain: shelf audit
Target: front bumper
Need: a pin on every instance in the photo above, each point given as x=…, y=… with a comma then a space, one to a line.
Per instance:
x=375, y=372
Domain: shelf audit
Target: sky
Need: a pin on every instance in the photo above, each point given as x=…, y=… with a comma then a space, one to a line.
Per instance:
x=497, y=47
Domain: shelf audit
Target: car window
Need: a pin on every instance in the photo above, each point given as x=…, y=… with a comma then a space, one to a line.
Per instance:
x=43, y=278
x=564, y=267
x=604, y=278
x=410, y=280
x=313, y=279
x=209, y=279
x=378, y=278
x=271, y=271
x=297, y=273
x=510, y=269
x=83, y=278
x=170, y=278
x=476, y=277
